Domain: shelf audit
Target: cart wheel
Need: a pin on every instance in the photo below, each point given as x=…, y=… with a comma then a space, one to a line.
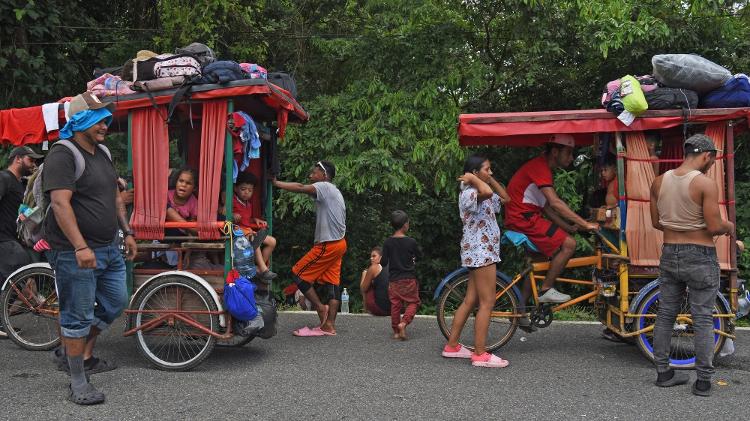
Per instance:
x=174, y=344
x=682, y=352
x=30, y=309
x=501, y=328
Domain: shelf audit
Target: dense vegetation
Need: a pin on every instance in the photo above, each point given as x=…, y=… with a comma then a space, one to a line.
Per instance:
x=384, y=82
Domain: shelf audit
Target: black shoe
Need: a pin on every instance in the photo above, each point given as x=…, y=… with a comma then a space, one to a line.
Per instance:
x=92, y=366
x=610, y=335
x=702, y=388
x=677, y=378
x=88, y=396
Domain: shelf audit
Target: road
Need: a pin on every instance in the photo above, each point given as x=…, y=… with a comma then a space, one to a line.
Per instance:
x=563, y=372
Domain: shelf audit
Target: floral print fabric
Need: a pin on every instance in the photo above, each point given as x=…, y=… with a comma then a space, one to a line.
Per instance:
x=480, y=244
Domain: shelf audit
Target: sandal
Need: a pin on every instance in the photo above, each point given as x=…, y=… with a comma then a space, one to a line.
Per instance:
x=97, y=365
x=88, y=396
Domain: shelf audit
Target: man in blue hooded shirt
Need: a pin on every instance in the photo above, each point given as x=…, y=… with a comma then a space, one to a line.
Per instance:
x=81, y=230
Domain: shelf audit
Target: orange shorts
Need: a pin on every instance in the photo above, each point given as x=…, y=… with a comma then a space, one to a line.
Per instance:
x=322, y=263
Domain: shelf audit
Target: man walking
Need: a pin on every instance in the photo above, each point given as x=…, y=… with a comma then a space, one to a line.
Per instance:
x=322, y=264
x=685, y=206
x=22, y=161
x=82, y=231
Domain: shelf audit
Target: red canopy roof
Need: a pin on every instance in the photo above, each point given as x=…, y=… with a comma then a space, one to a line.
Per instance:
x=534, y=128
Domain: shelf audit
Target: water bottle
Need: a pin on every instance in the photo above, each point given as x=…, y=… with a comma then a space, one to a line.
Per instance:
x=244, y=255
x=345, y=301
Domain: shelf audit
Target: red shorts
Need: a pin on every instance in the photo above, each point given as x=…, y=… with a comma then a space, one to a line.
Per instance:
x=545, y=234
x=322, y=263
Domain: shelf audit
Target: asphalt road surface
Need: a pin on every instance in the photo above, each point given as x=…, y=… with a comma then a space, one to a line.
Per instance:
x=563, y=372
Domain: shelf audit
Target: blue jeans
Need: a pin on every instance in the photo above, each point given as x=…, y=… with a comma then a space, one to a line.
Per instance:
x=696, y=268
x=78, y=289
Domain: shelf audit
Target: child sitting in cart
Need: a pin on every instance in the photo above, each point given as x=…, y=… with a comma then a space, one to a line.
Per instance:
x=242, y=209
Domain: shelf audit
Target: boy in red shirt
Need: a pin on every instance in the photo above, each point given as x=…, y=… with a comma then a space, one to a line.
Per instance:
x=242, y=210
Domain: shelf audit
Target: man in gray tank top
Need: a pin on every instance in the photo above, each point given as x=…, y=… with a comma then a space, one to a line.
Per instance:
x=685, y=206
x=322, y=264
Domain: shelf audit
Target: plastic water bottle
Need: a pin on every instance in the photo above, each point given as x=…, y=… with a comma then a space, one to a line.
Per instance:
x=345, y=301
x=244, y=255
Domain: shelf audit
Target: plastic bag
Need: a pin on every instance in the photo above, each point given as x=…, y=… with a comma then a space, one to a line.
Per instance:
x=239, y=298
x=632, y=95
x=689, y=71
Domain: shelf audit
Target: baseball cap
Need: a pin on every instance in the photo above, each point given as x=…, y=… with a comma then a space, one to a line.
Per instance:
x=562, y=139
x=24, y=151
x=700, y=143
x=88, y=101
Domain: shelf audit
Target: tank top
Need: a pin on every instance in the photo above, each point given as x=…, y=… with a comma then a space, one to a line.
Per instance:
x=677, y=211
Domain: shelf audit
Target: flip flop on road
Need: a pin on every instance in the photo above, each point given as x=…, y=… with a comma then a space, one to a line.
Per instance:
x=307, y=332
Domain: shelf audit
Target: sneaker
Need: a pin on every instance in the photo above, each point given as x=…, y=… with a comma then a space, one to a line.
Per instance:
x=488, y=360
x=267, y=276
x=457, y=352
x=609, y=335
x=554, y=296
x=702, y=388
x=524, y=323
x=677, y=378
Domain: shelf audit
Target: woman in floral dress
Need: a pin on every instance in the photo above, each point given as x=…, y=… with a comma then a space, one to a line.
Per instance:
x=478, y=203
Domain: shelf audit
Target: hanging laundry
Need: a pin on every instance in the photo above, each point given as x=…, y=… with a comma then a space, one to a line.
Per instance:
x=20, y=126
x=242, y=125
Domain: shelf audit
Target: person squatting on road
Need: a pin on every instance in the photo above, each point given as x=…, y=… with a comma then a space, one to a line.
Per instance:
x=21, y=163
x=400, y=253
x=82, y=234
x=685, y=206
x=374, y=286
x=480, y=200
x=322, y=264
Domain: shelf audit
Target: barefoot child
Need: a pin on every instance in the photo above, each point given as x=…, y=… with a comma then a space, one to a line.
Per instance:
x=399, y=254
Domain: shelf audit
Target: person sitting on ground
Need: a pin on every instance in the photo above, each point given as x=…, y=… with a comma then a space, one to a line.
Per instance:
x=532, y=194
x=243, y=216
x=400, y=253
x=374, y=286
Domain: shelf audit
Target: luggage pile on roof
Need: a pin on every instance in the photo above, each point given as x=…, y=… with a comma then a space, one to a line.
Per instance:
x=194, y=64
x=678, y=81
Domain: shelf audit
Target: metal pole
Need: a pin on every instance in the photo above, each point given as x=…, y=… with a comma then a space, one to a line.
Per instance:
x=228, y=190
x=731, y=215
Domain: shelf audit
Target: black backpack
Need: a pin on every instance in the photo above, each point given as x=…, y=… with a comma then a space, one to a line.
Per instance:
x=671, y=98
x=202, y=52
x=284, y=81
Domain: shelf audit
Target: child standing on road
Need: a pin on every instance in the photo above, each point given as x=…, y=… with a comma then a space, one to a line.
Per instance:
x=478, y=203
x=400, y=254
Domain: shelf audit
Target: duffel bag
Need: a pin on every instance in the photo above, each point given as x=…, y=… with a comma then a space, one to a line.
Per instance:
x=671, y=98
x=284, y=81
x=734, y=94
x=202, y=52
x=689, y=71
x=177, y=65
x=223, y=71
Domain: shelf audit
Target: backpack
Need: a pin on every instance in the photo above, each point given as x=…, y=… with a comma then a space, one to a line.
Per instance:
x=734, y=94
x=30, y=230
x=284, y=81
x=202, y=52
x=221, y=72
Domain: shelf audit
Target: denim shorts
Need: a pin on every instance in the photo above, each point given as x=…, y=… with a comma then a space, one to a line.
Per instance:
x=78, y=289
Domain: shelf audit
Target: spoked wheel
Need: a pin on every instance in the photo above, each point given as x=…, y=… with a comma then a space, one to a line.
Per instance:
x=30, y=309
x=682, y=351
x=502, y=324
x=174, y=319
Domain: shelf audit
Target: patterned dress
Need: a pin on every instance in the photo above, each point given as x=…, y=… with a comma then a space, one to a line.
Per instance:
x=480, y=244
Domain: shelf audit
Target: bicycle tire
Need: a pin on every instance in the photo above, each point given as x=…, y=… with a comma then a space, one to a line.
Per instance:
x=26, y=326
x=681, y=356
x=501, y=329
x=185, y=347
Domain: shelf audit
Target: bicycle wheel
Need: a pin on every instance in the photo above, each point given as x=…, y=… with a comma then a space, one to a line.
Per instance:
x=502, y=327
x=30, y=309
x=682, y=351
x=168, y=341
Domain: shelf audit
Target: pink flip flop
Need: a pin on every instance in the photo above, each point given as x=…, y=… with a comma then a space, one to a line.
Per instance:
x=317, y=331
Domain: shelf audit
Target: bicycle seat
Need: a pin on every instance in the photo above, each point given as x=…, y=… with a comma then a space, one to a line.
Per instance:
x=518, y=239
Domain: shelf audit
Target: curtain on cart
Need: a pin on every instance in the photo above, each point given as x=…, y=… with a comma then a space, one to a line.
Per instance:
x=150, y=140
x=644, y=241
x=213, y=135
x=717, y=131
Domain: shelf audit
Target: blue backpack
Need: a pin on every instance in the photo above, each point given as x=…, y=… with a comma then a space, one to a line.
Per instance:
x=239, y=298
x=734, y=94
x=222, y=72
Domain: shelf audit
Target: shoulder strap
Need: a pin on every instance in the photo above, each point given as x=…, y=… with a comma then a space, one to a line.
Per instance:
x=105, y=150
x=80, y=162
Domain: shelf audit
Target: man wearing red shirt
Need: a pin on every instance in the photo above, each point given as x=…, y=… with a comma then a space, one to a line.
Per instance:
x=532, y=193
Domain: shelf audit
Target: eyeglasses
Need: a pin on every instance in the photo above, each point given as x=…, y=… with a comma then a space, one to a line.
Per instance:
x=322, y=167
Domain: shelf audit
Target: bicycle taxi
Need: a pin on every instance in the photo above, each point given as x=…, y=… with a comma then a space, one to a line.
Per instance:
x=618, y=279
x=176, y=315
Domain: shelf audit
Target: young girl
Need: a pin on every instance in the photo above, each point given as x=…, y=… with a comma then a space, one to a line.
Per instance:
x=374, y=286
x=181, y=203
x=479, y=201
